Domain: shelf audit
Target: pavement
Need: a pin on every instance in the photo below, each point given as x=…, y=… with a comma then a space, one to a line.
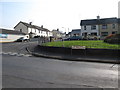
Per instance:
x=35, y=50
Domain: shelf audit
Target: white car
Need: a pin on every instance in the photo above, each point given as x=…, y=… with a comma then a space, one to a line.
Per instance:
x=22, y=39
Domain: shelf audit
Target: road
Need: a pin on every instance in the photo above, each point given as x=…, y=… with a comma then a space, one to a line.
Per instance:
x=21, y=70
x=17, y=47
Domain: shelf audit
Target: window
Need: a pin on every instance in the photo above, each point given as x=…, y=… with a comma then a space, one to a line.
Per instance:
x=84, y=34
x=104, y=26
x=20, y=30
x=113, y=26
x=115, y=32
x=74, y=34
x=93, y=27
x=93, y=34
x=84, y=27
x=104, y=33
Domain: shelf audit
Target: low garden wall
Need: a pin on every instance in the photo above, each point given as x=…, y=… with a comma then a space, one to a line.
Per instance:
x=88, y=52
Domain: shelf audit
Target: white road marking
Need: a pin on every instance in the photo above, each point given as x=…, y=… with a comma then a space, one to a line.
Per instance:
x=16, y=54
x=13, y=53
x=4, y=53
x=27, y=55
x=9, y=52
x=19, y=55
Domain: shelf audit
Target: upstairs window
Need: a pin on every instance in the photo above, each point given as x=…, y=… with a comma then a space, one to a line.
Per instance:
x=93, y=27
x=113, y=26
x=20, y=30
x=84, y=27
x=104, y=26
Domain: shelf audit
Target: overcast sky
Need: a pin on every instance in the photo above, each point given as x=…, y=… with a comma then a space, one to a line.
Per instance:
x=53, y=14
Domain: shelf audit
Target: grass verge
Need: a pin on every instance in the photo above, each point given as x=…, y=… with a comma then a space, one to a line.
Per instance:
x=89, y=44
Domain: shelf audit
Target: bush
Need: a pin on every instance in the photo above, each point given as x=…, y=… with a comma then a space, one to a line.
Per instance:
x=113, y=39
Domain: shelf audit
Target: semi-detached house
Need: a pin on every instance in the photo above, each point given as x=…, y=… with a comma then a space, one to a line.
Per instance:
x=28, y=29
x=100, y=27
x=89, y=27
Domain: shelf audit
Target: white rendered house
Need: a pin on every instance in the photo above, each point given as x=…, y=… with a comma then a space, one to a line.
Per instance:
x=89, y=27
x=29, y=28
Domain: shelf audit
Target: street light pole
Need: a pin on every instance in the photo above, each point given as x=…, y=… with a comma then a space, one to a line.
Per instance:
x=62, y=38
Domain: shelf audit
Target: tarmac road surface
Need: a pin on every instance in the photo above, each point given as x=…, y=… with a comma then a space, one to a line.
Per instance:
x=34, y=72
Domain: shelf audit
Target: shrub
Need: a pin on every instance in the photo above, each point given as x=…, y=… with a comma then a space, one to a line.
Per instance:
x=113, y=39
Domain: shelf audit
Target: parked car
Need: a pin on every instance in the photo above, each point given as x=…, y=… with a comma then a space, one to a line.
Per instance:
x=91, y=38
x=73, y=38
x=94, y=37
x=22, y=39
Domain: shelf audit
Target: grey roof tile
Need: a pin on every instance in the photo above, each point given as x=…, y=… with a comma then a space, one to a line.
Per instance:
x=33, y=26
x=99, y=21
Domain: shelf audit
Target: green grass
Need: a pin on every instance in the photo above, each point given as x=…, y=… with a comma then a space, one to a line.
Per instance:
x=89, y=44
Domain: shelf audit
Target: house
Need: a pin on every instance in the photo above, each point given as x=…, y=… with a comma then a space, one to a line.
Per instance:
x=99, y=27
x=89, y=27
x=32, y=30
x=76, y=32
x=58, y=34
x=68, y=35
x=119, y=25
x=108, y=26
x=10, y=35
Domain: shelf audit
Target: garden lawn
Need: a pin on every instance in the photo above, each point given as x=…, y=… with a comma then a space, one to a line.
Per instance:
x=89, y=44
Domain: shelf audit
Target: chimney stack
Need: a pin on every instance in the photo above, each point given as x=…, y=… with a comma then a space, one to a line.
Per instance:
x=30, y=23
x=41, y=26
x=98, y=17
x=57, y=29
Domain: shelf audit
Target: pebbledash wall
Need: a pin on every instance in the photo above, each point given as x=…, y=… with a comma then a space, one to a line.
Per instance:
x=10, y=35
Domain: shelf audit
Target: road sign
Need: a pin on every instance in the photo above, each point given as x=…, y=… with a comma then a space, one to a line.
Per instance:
x=78, y=47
